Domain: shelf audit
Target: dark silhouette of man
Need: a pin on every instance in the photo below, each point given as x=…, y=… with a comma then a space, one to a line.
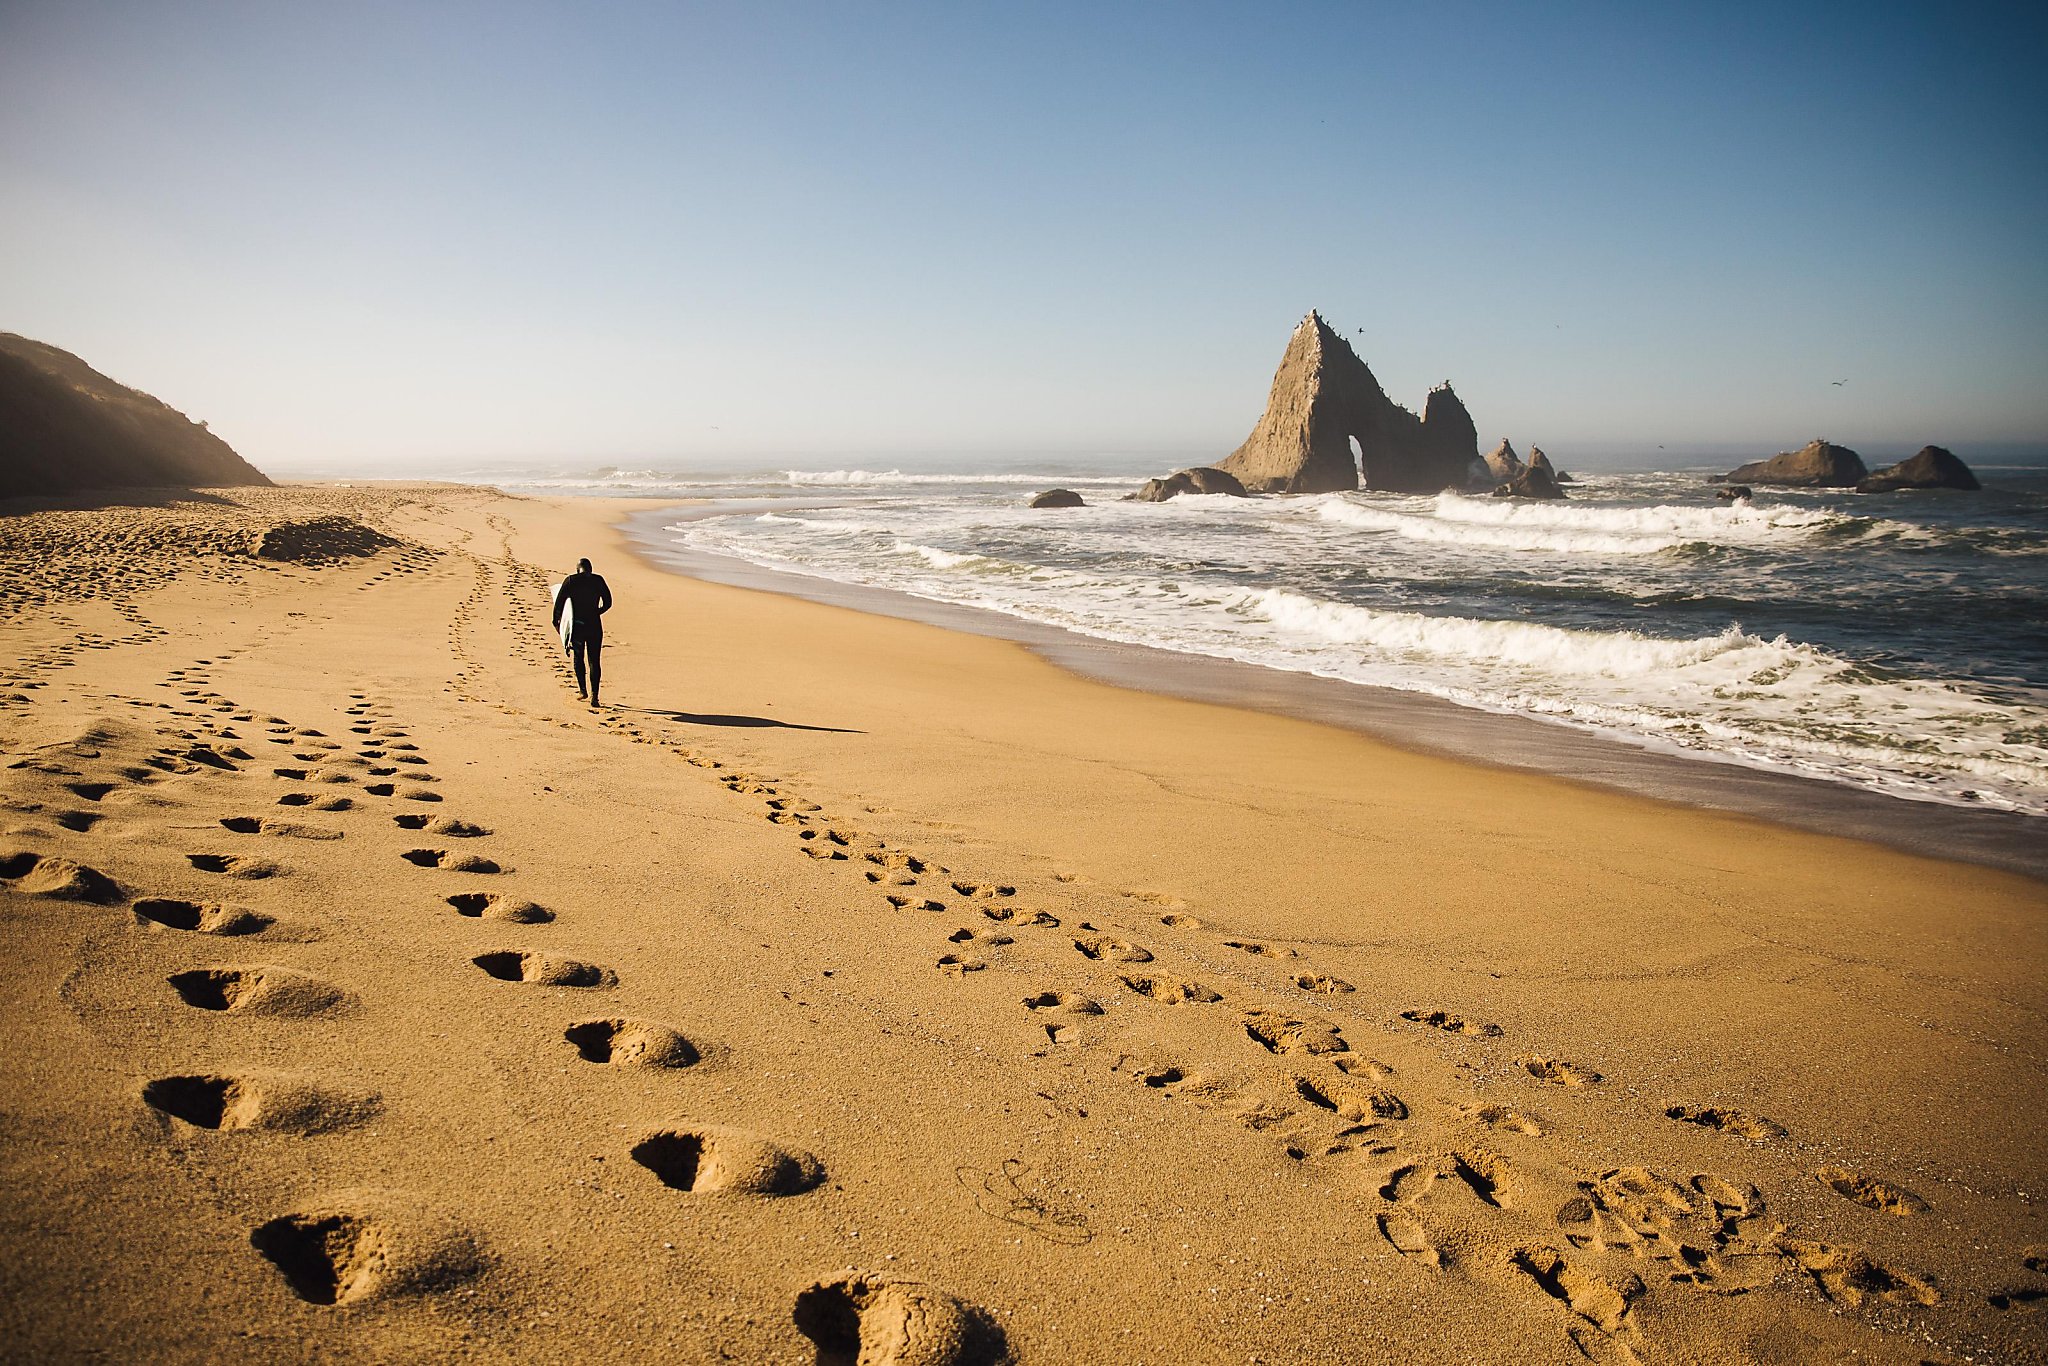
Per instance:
x=588, y=598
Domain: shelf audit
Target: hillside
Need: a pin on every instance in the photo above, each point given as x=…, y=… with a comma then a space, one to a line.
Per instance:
x=64, y=426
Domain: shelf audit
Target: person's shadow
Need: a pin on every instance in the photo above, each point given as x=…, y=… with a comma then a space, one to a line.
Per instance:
x=691, y=718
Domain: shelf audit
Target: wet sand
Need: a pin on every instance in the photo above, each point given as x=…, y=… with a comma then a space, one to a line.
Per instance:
x=850, y=984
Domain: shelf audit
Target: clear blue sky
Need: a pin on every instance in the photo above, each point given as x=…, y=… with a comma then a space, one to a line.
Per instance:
x=443, y=233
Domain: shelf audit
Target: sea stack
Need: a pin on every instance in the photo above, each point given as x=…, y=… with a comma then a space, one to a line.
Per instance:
x=1502, y=465
x=64, y=426
x=1935, y=467
x=1323, y=399
x=1816, y=465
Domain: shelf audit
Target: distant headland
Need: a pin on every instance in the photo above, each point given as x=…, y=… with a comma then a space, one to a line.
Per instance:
x=66, y=427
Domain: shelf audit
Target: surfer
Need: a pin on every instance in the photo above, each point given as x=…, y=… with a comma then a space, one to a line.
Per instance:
x=584, y=597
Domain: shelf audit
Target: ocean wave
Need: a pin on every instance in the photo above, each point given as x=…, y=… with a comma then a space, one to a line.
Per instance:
x=1496, y=536
x=1552, y=649
x=1735, y=521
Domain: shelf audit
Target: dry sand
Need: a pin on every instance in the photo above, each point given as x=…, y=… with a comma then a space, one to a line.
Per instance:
x=848, y=985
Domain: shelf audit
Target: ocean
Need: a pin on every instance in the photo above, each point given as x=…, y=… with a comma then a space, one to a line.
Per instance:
x=1892, y=642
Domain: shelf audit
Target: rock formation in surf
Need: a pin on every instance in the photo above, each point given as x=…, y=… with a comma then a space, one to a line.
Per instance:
x=1535, y=479
x=64, y=426
x=1323, y=399
x=1201, y=479
x=1058, y=498
x=1816, y=465
x=1935, y=467
x=1502, y=465
x=1507, y=475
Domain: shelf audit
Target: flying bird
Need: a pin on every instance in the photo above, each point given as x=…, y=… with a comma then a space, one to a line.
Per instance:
x=1838, y=383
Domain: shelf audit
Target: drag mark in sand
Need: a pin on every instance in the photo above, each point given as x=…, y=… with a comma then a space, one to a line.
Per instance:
x=1000, y=1195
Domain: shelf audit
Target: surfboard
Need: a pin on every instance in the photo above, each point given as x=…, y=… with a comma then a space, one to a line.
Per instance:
x=567, y=625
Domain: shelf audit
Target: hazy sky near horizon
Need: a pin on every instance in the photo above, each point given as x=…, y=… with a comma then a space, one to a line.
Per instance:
x=439, y=234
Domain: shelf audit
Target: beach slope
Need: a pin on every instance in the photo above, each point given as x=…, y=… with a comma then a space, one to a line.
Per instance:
x=848, y=986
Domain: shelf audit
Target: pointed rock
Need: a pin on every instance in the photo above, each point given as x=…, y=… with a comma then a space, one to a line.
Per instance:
x=1816, y=465
x=1935, y=467
x=1323, y=399
x=1502, y=464
x=1536, y=479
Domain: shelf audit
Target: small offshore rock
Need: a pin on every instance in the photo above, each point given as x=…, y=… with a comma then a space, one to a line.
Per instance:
x=1816, y=465
x=1935, y=467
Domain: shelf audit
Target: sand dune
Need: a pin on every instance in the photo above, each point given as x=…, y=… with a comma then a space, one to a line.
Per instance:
x=852, y=990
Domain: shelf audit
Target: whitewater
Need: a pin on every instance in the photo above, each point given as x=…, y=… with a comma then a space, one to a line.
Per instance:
x=1894, y=642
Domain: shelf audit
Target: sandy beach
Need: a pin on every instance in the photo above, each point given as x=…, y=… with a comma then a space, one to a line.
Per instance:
x=852, y=988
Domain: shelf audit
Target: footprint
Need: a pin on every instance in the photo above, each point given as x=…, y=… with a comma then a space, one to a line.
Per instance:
x=1500, y=1117
x=264, y=1100
x=1408, y=1237
x=1355, y=1103
x=254, y=825
x=209, y=918
x=986, y=890
x=492, y=906
x=1557, y=1071
x=439, y=825
x=860, y=1319
x=1107, y=948
x=233, y=865
x=1452, y=1024
x=1072, y=1002
x=258, y=990
x=1870, y=1193
x=60, y=879
x=1372, y=1069
x=1329, y=986
x=1752, y=1127
x=1486, y=1174
x=990, y=938
x=543, y=969
x=891, y=858
x=1252, y=946
x=314, y=802
x=1277, y=1033
x=958, y=964
x=1177, y=921
x=1016, y=917
x=1851, y=1275
x=447, y=862
x=370, y=1245
x=915, y=903
x=1408, y=1184
x=1585, y=1294
x=1169, y=991
x=631, y=1043
x=725, y=1161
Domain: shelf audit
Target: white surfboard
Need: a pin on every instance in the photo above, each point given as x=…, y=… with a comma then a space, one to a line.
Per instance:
x=567, y=625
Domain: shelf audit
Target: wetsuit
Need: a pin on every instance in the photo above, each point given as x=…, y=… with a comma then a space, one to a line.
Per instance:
x=590, y=598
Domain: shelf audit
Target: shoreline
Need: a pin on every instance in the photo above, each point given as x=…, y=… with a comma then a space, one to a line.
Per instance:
x=1417, y=722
